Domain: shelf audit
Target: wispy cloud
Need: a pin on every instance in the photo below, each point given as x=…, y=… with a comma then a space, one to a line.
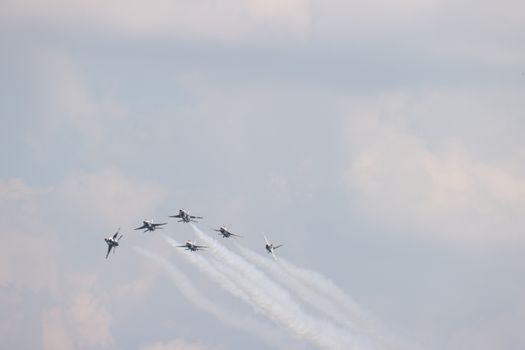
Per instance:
x=432, y=187
x=90, y=321
x=233, y=20
x=54, y=331
x=175, y=345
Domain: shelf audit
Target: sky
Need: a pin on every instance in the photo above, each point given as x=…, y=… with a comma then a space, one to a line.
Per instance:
x=380, y=143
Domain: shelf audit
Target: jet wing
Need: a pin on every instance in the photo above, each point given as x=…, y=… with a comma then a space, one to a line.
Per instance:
x=195, y=217
x=116, y=234
x=233, y=234
x=176, y=216
x=141, y=227
x=164, y=223
x=266, y=239
x=200, y=246
x=109, y=250
x=277, y=246
x=182, y=246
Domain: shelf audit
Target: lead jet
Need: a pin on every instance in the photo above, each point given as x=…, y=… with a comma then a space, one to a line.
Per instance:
x=149, y=226
x=270, y=247
x=192, y=246
x=113, y=242
x=225, y=232
x=185, y=216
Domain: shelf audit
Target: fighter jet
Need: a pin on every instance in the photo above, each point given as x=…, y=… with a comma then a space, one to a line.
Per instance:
x=148, y=225
x=113, y=242
x=225, y=232
x=185, y=216
x=192, y=246
x=270, y=247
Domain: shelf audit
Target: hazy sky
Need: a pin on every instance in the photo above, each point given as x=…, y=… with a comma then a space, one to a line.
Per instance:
x=381, y=143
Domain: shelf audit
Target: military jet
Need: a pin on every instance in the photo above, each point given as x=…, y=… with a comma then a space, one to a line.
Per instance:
x=225, y=232
x=148, y=225
x=270, y=247
x=192, y=246
x=185, y=216
x=113, y=242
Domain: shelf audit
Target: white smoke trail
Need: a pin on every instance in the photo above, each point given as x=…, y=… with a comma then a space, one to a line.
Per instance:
x=329, y=289
x=325, y=296
x=205, y=266
x=201, y=302
x=308, y=295
x=278, y=305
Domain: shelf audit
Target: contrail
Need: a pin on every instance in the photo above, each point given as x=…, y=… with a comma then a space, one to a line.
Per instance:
x=323, y=295
x=209, y=269
x=278, y=305
x=201, y=302
x=326, y=287
x=359, y=316
x=309, y=295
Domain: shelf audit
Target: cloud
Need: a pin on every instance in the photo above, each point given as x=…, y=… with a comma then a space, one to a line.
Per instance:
x=498, y=330
x=110, y=196
x=29, y=261
x=30, y=250
x=42, y=262
x=70, y=99
x=445, y=34
x=430, y=185
x=27, y=250
x=82, y=323
x=19, y=200
x=54, y=331
x=177, y=344
x=231, y=20
x=67, y=108
x=90, y=321
x=16, y=190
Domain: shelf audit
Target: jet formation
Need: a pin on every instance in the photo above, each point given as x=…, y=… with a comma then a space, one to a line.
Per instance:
x=185, y=217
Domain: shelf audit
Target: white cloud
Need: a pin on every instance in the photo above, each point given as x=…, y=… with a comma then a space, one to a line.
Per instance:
x=34, y=259
x=110, y=196
x=83, y=323
x=407, y=181
x=16, y=190
x=70, y=102
x=29, y=261
x=229, y=20
x=174, y=345
x=451, y=31
x=499, y=330
x=55, y=334
x=19, y=200
x=27, y=251
x=91, y=321
x=67, y=107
